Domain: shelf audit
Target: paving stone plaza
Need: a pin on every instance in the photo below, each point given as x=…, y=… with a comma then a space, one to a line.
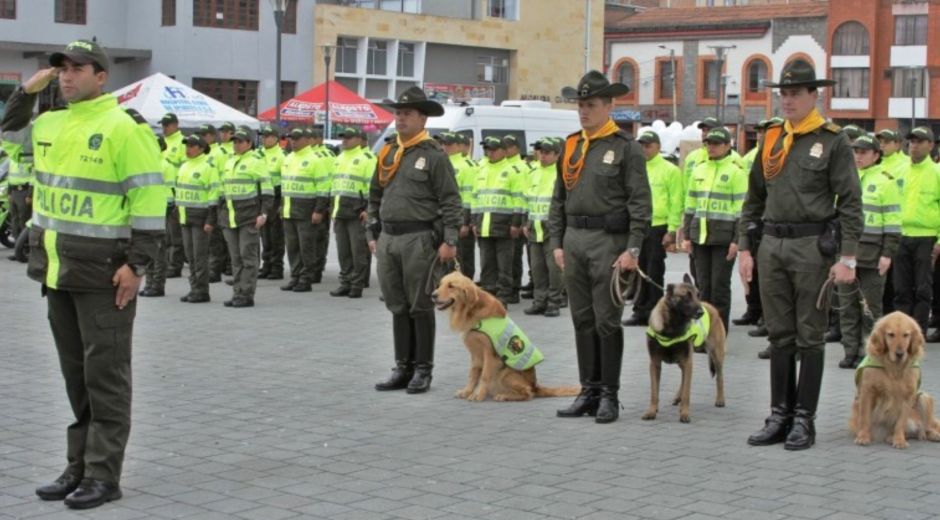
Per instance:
x=268, y=413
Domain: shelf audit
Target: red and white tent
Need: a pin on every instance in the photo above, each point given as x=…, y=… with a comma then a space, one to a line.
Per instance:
x=346, y=107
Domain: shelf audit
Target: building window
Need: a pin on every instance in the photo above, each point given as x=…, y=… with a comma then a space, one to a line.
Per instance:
x=239, y=94
x=288, y=90
x=710, y=80
x=492, y=70
x=290, y=18
x=377, y=58
x=226, y=14
x=406, y=60
x=168, y=13
x=626, y=74
x=8, y=9
x=347, y=50
x=850, y=83
x=756, y=75
x=666, y=80
x=505, y=9
x=850, y=39
x=907, y=83
x=399, y=6
x=70, y=11
x=910, y=30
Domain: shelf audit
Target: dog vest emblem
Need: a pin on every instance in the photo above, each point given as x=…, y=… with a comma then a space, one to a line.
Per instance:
x=869, y=362
x=510, y=343
x=697, y=332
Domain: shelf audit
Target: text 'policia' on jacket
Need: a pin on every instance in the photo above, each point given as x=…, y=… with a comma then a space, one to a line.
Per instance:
x=539, y=201
x=99, y=199
x=246, y=190
x=349, y=184
x=713, y=203
x=302, y=179
x=497, y=198
x=881, y=207
x=197, y=191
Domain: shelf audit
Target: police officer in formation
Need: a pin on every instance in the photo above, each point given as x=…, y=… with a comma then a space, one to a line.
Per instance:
x=599, y=217
x=299, y=192
x=456, y=147
x=547, y=278
x=197, y=199
x=18, y=147
x=272, y=234
x=414, y=216
x=110, y=204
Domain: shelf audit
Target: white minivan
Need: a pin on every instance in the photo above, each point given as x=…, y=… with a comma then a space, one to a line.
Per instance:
x=529, y=121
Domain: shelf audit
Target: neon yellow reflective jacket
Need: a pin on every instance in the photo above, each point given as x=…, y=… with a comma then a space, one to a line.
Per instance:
x=539, y=200
x=321, y=180
x=228, y=148
x=868, y=362
x=510, y=343
x=175, y=152
x=881, y=208
x=349, y=184
x=667, y=192
x=218, y=157
x=920, y=205
x=274, y=159
x=246, y=189
x=298, y=186
x=697, y=332
x=714, y=201
x=20, y=170
x=197, y=191
x=169, y=179
x=99, y=200
x=466, y=171
x=496, y=205
x=748, y=159
x=897, y=164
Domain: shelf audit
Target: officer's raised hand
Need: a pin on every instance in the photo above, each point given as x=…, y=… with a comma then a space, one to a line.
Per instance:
x=127, y=283
x=844, y=270
x=40, y=80
x=627, y=261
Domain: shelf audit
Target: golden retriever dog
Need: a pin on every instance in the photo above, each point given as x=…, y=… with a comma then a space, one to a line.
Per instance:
x=678, y=312
x=489, y=375
x=888, y=401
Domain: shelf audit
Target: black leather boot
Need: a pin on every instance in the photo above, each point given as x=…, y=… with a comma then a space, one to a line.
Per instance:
x=92, y=493
x=834, y=334
x=402, y=337
x=424, y=353
x=782, y=398
x=589, y=374
x=608, y=409
x=803, y=433
x=62, y=486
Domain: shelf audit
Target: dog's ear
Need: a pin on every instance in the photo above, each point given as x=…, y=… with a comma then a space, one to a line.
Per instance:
x=471, y=293
x=687, y=279
x=876, y=341
x=916, y=347
x=670, y=288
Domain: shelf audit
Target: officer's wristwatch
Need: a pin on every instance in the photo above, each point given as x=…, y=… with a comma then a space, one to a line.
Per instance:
x=139, y=270
x=452, y=242
x=849, y=262
x=634, y=252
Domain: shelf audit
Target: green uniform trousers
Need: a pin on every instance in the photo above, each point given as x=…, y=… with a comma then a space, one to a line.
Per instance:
x=93, y=340
x=403, y=265
x=301, y=238
x=244, y=248
x=272, y=238
x=196, y=246
x=547, y=278
x=519, y=250
x=157, y=267
x=323, y=243
x=175, y=254
x=792, y=271
x=466, y=255
x=496, y=257
x=353, y=252
x=589, y=257
x=20, y=210
x=855, y=326
x=714, y=277
x=219, y=260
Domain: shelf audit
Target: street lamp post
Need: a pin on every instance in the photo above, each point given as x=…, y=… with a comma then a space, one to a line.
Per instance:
x=720, y=54
x=279, y=7
x=672, y=66
x=327, y=57
x=913, y=96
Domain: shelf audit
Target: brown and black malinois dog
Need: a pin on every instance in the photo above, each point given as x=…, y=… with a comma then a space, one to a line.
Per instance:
x=676, y=329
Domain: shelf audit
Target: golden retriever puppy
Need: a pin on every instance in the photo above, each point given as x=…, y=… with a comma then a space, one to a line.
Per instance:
x=888, y=401
x=469, y=306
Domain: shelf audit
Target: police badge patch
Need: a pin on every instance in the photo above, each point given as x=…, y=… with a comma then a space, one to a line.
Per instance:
x=420, y=163
x=609, y=157
x=94, y=142
x=516, y=345
x=816, y=151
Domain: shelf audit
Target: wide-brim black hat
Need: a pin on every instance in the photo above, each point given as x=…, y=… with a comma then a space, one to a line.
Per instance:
x=799, y=73
x=415, y=98
x=595, y=84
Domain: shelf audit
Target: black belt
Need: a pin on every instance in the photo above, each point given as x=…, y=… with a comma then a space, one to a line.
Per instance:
x=586, y=222
x=403, y=228
x=794, y=229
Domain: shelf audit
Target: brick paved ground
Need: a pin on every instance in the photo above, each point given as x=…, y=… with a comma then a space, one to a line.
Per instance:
x=269, y=413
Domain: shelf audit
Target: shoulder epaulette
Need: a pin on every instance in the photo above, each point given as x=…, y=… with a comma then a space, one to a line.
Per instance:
x=369, y=155
x=470, y=162
x=832, y=127
x=623, y=134
x=135, y=115
x=888, y=175
x=516, y=168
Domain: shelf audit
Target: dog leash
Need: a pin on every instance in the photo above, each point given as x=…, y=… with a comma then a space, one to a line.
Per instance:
x=433, y=279
x=829, y=286
x=623, y=290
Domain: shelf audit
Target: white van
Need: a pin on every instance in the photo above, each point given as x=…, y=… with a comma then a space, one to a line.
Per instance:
x=529, y=121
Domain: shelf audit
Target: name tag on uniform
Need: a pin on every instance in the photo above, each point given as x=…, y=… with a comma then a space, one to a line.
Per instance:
x=609, y=157
x=816, y=151
x=420, y=163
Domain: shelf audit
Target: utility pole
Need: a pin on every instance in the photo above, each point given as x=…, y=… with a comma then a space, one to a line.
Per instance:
x=720, y=79
x=913, y=78
x=587, y=36
x=672, y=62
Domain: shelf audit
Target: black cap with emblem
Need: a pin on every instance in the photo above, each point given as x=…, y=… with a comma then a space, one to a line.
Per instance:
x=227, y=127
x=415, y=98
x=708, y=123
x=81, y=52
x=866, y=142
x=921, y=132
x=718, y=135
x=799, y=73
x=169, y=119
x=206, y=129
x=492, y=143
x=595, y=84
x=852, y=131
x=889, y=135
x=648, y=136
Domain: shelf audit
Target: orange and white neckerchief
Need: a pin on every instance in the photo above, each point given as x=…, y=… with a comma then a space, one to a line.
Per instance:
x=773, y=162
x=387, y=172
x=571, y=173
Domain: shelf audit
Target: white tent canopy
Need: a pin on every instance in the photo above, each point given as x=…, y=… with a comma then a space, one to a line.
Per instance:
x=158, y=94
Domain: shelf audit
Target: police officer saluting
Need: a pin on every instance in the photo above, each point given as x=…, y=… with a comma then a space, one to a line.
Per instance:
x=599, y=215
x=99, y=191
x=804, y=180
x=415, y=203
